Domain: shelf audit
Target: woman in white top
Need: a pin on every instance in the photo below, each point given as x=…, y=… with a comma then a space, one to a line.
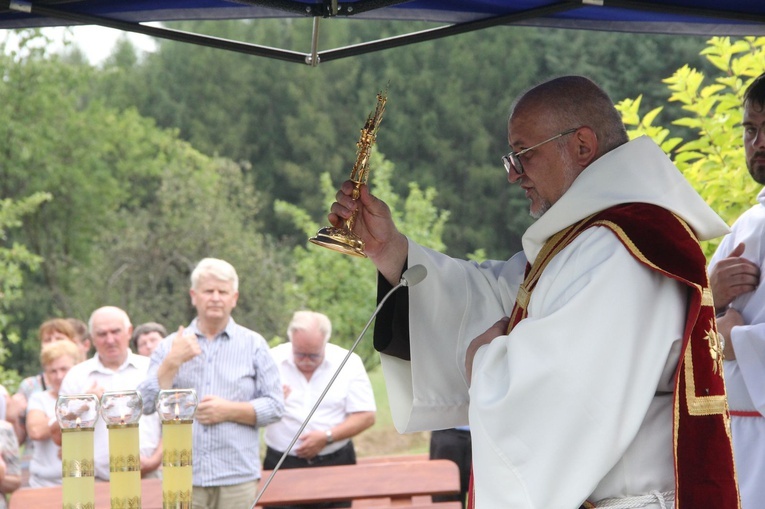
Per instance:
x=45, y=468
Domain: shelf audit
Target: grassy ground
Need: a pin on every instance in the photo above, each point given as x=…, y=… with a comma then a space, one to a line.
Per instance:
x=382, y=439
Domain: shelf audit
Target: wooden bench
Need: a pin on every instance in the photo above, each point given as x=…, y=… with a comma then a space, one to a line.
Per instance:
x=373, y=485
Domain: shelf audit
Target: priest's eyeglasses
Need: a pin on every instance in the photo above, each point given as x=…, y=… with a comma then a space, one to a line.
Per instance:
x=512, y=160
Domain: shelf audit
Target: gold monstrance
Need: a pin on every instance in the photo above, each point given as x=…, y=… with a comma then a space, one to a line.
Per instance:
x=343, y=239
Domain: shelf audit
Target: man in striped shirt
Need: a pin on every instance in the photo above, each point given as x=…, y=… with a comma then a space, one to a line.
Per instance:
x=236, y=381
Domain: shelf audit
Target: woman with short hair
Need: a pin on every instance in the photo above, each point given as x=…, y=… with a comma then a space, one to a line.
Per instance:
x=57, y=359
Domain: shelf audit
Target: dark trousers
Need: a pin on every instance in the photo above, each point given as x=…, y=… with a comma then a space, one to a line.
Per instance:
x=455, y=445
x=346, y=455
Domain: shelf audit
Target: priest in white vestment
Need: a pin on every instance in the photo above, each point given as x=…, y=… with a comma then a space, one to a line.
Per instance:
x=575, y=404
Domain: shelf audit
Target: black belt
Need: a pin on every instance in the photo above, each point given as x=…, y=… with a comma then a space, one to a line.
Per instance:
x=316, y=460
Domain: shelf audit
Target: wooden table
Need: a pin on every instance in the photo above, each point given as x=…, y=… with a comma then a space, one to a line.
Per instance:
x=398, y=483
x=50, y=498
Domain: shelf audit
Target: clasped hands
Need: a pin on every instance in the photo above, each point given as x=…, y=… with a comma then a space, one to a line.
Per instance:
x=729, y=278
x=498, y=329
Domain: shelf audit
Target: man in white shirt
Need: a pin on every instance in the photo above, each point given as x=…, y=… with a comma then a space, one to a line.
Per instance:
x=734, y=274
x=306, y=365
x=114, y=368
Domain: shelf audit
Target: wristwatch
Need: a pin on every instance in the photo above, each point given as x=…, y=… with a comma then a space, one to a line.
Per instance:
x=330, y=439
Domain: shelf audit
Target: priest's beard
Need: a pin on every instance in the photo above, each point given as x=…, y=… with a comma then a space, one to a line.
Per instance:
x=569, y=172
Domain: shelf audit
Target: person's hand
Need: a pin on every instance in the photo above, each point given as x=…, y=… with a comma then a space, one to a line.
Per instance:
x=498, y=329
x=311, y=444
x=95, y=390
x=733, y=276
x=286, y=389
x=55, y=432
x=211, y=410
x=184, y=348
x=383, y=243
x=725, y=324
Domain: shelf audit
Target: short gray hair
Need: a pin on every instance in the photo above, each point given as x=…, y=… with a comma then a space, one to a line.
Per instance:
x=307, y=320
x=110, y=309
x=219, y=269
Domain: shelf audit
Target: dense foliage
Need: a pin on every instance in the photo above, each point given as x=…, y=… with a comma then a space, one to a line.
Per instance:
x=153, y=161
x=712, y=159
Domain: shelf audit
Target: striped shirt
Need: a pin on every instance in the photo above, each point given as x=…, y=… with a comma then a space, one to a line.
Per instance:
x=236, y=366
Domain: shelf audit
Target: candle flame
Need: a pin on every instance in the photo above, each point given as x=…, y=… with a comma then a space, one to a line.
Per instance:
x=77, y=422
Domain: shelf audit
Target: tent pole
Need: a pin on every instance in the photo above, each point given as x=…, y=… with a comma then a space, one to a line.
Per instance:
x=162, y=33
x=313, y=59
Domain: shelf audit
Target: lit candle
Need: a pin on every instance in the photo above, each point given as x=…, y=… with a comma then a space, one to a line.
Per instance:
x=121, y=411
x=176, y=409
x=76, y=415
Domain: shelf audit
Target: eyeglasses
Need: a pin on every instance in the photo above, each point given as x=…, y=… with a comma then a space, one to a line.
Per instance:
x=512, y=160
x=312, y=356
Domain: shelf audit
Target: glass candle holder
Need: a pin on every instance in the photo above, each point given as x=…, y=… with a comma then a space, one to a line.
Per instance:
x=76, y=415
x=121, y=411
x=176, y=408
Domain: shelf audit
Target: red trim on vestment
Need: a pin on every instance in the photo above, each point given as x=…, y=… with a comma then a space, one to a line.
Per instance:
x=745, y=413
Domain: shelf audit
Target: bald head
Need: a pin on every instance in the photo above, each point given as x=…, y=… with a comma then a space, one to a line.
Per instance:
x=575, y=101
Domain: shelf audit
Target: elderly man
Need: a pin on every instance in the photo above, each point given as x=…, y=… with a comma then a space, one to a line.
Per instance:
x=114, y=368
x=306, y=364
x=237, y=384
x=600, y=380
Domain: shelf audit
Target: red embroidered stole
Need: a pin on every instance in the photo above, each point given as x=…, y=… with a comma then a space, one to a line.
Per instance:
x=704, y=470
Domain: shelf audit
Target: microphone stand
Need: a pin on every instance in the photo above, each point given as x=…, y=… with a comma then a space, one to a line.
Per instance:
x=418, y=273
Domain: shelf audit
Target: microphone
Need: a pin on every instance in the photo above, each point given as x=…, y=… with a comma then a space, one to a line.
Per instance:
x=412, y=276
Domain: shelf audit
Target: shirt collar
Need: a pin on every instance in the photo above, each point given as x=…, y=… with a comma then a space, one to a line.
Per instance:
x=227, y=333
x=129, y=361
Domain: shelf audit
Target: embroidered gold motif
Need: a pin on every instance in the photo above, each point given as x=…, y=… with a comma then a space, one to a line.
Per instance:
x=715, y=350
x=699, y=405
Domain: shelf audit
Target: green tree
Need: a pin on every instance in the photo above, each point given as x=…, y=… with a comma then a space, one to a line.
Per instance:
x=119, y=228
x=713, y=161
x=343, y=287
x=200, y=209
x=446, y=121
x=15, y=259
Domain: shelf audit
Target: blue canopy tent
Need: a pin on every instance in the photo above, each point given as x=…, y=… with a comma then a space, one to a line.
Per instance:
x=699, y=17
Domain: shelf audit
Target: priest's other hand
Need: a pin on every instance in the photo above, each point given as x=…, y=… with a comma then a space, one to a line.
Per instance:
x=498, y=329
